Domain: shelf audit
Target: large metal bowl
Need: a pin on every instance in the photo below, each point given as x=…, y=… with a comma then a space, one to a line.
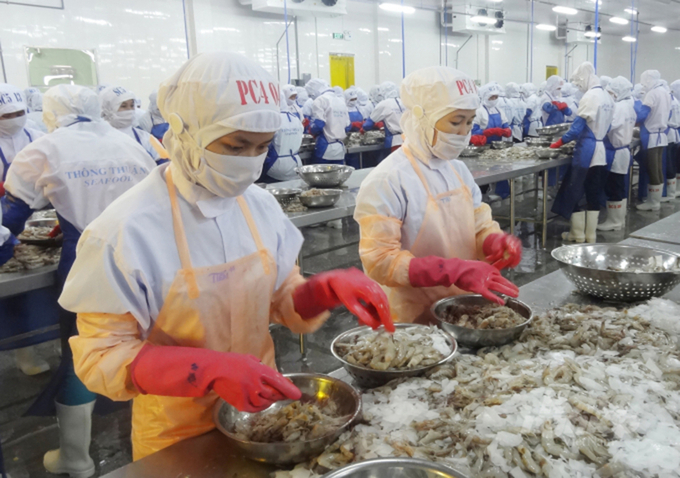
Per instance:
x=470, y=152
x=586, y=266
x=327, y=198
x=325, y=175
x=42, y=223
x=315, y=388
x=546, y=153
x=367, y=377
x=285, y=196
x=480, y=337
x=395, y=468
x=501, y=144
x=538, y=142
x=554, y=130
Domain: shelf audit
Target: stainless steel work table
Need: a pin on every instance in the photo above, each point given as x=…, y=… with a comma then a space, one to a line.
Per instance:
x=19, y=282
x=666, y=230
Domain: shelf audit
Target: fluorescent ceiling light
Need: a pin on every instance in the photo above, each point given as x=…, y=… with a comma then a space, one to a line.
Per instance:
x=365, y=30
x=632, y=11
x=546, y=27
x=483, y=20
x=629, y=39
x=381, y=29
x=565, y=10
x=659, y=29
x=495, y=1
x=450, y=44
x=619, y=20
x=497, y=42
x=393, y=7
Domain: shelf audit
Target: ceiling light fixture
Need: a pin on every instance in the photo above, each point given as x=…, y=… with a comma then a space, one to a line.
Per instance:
x=565, y=10
x=629, y=39
x=632, y=11
x=589, y=33
x=619, y=20
x=393, y=7
x=658, y=29
x=546, y=27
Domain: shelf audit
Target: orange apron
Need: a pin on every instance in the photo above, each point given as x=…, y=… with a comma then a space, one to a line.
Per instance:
x=225, y=307
x=448, y=231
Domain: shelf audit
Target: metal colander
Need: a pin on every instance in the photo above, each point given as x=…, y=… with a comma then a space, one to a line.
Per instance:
x=596, y=270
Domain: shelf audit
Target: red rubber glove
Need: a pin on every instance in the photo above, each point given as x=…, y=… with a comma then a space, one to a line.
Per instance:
x=357, y=125
x=489, y=132
x=305, y=123
x=471, y=276
x=478, y=140
x=241, y=380
x=2, y=188
x=507, y=132
x=557, y=144
x=351, y=288
x=562, y=106
x=380, y=124
x=56, y=230
x=502, y=250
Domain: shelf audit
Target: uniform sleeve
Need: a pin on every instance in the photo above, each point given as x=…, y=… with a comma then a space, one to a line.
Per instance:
x=650, y=100
x=25, y=177
x=103, y=350
x=379, y=113
x=319, y=109
x=379, y=211
x=283, y=308
x=588, y=107
x=289, y=243
x=145, y=122
x=481, y=119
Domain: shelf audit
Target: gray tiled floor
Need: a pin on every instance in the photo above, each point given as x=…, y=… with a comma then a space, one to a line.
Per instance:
x=25, y=440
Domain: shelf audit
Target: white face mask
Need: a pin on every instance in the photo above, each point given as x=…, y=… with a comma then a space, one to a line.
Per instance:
x=491, y=103
x=290, y=101
x=352, y=103
x=449, y=145
x=122, y=119
x=228, y=176
x=10, y=127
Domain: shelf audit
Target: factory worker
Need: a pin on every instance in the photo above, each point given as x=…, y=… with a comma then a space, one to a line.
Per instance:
x=153, y=121
x=283, y=156
x=80, y=168
x=339, y=92
x=329, y=123
x=516, y=109
x=198, y=303
x=425, y=232
x=352, y=102
x=618, y=145
x=375, y=95
x=669, y=152
x=118, y=109
x=532, y=117
x=588, y=170
x=388, y=112
x=568, y=97
x=302, y=97
x=490, y=121
x=653, y=116
x=34, y=102
x=604, y=81
x=675, y=89
x=553, y=109
x=541, y=88
x=364, y=104
x=139, y=112
x=305, y=103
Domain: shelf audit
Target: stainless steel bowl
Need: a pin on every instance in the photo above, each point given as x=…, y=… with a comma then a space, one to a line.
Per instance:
x=501, y=144
x=481, y=337
x=327, y=198
x=470, y=152
x=546, y=153
x=41, y=223
x=554, y=130
x=325, y=175
x=538, y=142
x=285, y=196
x=315, y=388
x=367, y=377
x=395, y=468
x=586, y=266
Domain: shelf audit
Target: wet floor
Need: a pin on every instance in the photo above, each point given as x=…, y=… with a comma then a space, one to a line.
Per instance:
x=25, y=440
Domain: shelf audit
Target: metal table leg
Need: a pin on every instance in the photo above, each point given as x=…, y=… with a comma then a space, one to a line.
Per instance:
x=361, y=160
x=512, y=206
x=545, y=207
x=630, y=183
x=299, y=261
x=536, y=180
x=303, y=345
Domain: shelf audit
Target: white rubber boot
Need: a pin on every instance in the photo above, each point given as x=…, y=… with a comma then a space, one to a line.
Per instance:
x=591, y=226
x=577, y=232
x=73, y=455
x=653, y=202
x=28, y=361
x=671, y=186
x=616, y=216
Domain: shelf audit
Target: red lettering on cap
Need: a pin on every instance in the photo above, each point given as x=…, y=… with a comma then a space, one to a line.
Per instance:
x=263, y=93
x=252, y=84
x=274, y=92
x=242, y=90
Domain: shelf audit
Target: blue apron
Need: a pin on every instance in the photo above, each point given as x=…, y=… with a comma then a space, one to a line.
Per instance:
x=158, y=130
x=4, y=161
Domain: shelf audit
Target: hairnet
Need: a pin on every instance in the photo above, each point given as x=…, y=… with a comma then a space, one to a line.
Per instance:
x=35, y=102
x=338, y=92
x=429, y=95
x=362, y=97
x=350, y=94
x=63, y=104
x=665, y=86
x=512, y=90
x=111, y=98
x=650, y=79
x=584, y=77
x=389, y=90
x=541, y=87
x=375, y=94
x=99, y=88
x=12, y=99
x=621, y=88
x=30, y=93
x=675, y=88
x=489, y=90
x=153, y=104
x=604, y=81
x=315, y=87
x=212, y=95
x=302, y=94
x=553, y=84
x=638, y=92
x=288, y=91
x=526, y=90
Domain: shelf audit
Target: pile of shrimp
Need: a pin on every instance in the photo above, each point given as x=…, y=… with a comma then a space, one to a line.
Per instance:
x=586, y=391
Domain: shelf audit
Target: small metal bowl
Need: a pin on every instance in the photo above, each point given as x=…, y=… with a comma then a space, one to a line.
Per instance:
x=395, y=468
x=546, y=153
x=553, y=130
x=481, y=337
x=42, y=223
x=327, y=198
x=585, y=265
x=538, y=142
x=285, y=196
x=325, y=175
x=315, y=388
x=501, y=144
x=367, y=377
x=470, y=152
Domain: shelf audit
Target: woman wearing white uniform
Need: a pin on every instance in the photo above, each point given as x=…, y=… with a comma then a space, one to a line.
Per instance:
x=80, y=168
x=175, y=324
x=329, y=123
x=675, y=89
x=673, y=145
x=118, y=108
x=532, y=117
x=568, y=96
x=34, y=101
x=389, y=112
x=618, y=145
x=284, y=151
x=515, y=110
x=364, y=103
x=152, y=121
x=424, y=229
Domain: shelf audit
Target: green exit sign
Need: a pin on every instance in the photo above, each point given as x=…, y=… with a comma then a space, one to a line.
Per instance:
x=338, y=36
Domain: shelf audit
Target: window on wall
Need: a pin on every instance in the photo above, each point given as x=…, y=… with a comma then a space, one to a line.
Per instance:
x=57, y=66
